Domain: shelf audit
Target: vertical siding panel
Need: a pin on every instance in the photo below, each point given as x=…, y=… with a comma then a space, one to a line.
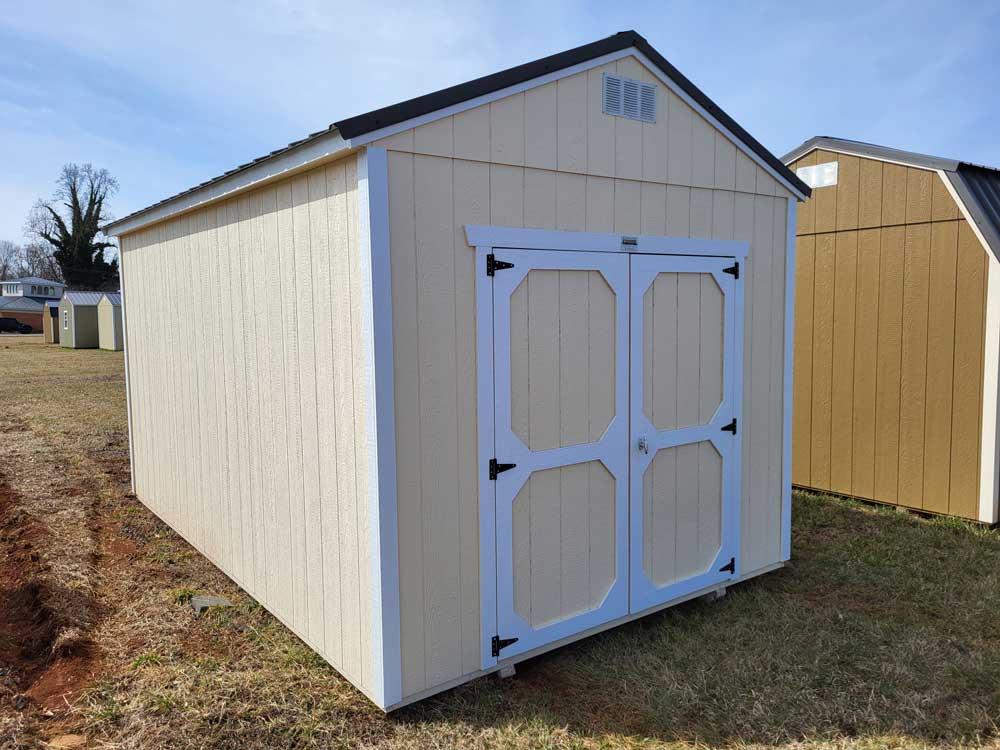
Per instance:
x=918, y=195
x=725, y=163
x=628, y=207
x=295, y=344
x=943, y=206
x=702, y=153
x=600, y=127
x=406, y=357
x=572, y=123
x=472, y=206
x=435, y=247
x=848, y=179
x=653, y=218
x=471, y=133
x=309, y=217
x=870, y=198
x=825, y=199
x=571, y=202
x=940, y=365
x=539, y=199
x=435, y=138
x=600, y=204
x=887, y=376
x=701, y=213
x=913, y=365
x=805, y=214
x=506, y=195
x=343, y=398
x=822, y=365
x=805, y=259
x=744, y=230
x=678, y=211
x=507, y=130
x=842, y=383
x=722, y=214
x=628, y=133
x=776, y=444
x=680, y=141
x=967, y=415
x=758, y=427
x=893, y=194
x=540, y=127
x=865, y=363
x=746, y=175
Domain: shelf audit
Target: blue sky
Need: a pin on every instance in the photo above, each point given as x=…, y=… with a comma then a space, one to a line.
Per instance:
x=167, y=94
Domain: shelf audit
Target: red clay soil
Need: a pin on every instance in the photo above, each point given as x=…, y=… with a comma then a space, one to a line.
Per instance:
x=31, y=669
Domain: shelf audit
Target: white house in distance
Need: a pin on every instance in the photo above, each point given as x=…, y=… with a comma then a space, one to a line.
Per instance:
x=25, y=298
x=529, y=377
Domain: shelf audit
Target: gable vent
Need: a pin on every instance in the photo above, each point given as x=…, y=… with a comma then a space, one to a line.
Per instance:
x=626, y=97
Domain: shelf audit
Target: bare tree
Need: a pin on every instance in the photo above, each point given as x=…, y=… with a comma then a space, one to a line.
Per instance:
x=10, y=259
x=71, y=224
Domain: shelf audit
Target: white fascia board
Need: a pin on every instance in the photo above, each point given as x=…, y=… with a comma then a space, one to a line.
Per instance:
x=307, y=155
x=789, y=374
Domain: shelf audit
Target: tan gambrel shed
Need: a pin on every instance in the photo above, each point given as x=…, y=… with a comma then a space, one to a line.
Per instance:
x=529, y=376
x=897, y=328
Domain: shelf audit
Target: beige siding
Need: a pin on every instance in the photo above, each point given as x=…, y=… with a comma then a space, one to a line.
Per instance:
x=677, y=177
x=109, y=326
x=890, y=322
x=250, y=434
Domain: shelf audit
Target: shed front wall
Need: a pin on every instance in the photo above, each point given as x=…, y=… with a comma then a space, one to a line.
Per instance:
x=109, y=326
x=250, y=435
x=549, y=158
x=890, y=317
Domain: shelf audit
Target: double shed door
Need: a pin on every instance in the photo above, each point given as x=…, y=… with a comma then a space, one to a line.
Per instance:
x=615, y=466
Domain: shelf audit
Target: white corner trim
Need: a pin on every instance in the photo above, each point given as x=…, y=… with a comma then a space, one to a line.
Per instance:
x=373, y=210
x=128, y=391
x=553, y=239
x=789, y=374
x=989, y=466
x=305, y=156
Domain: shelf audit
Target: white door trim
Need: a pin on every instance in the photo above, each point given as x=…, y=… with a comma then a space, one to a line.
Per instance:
x=644, y=269
x=554, y=239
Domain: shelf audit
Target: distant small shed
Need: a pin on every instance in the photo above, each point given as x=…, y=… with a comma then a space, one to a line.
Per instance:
x=109, y=322
x=78, y=320
x=50, y=321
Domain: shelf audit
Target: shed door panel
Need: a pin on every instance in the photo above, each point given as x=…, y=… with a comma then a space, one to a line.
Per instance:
x=561, y=415
x=684, y=471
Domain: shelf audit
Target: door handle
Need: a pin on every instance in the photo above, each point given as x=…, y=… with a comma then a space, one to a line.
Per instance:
x=643, y=445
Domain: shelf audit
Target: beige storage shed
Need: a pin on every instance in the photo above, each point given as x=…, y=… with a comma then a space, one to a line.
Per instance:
x=541, y=386
x=109, y=322
x=897, y=328
x=78, y=320
x=50, y=321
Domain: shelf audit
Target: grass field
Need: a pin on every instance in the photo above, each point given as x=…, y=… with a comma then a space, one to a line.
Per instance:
x=884, y=631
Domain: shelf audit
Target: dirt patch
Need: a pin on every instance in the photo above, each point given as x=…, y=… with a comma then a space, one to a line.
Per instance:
x=43, y=660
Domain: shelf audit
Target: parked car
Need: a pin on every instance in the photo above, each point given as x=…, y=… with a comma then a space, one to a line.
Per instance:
x=13, y=325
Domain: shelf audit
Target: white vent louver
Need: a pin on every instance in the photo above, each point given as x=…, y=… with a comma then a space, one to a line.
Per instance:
x=626, y=97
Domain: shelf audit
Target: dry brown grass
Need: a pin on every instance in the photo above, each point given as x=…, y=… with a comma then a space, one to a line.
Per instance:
x=884, y=632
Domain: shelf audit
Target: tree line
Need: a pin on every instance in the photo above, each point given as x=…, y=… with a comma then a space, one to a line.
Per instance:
x=64, y=238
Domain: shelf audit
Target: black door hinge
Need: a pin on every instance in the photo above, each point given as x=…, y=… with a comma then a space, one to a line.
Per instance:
x=734, y=270
x=729, y=567
x=500, y=644
x=731, y=427
x=493, y=265
x=497, y=468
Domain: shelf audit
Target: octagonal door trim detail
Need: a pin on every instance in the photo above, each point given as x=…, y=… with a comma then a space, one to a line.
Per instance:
x=685, y=321
x=577, y=308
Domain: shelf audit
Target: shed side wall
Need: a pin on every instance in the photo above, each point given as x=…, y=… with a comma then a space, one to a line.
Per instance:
x=548, y=158
x=249, y=434
x=889, y=339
